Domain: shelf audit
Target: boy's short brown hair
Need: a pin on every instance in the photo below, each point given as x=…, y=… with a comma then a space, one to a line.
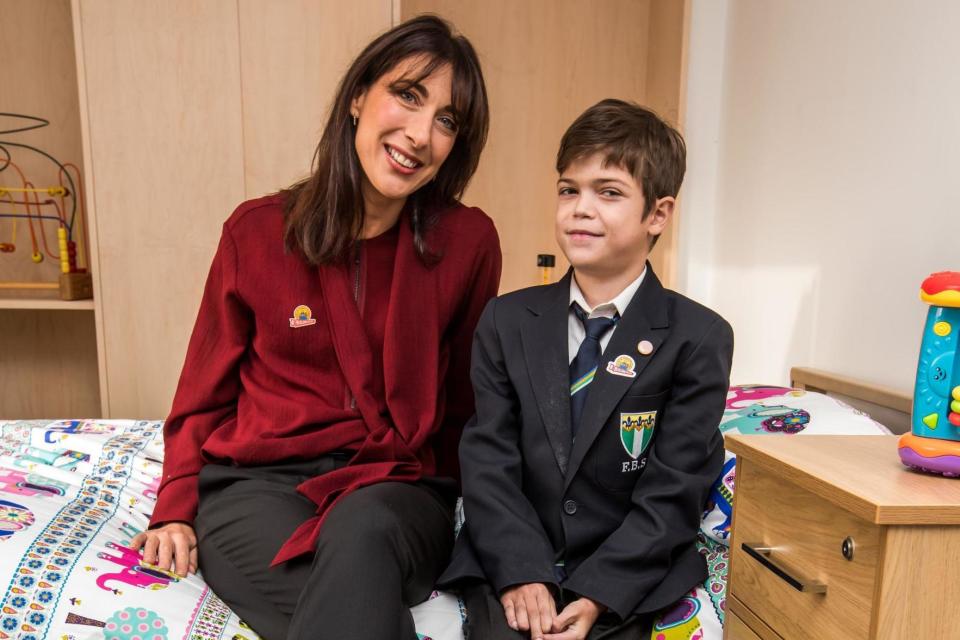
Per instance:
x=633, y=138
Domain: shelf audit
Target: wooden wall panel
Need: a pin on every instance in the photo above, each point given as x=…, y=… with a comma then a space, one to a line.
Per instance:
x=666, y=86
x=545, y=61
x=162, y=93
x=48, y=365
x=292, y=57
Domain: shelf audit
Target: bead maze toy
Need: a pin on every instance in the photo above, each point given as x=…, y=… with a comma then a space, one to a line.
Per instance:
x=933, y=444
x=36, y=207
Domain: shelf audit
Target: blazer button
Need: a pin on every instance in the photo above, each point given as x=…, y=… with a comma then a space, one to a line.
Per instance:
x=570, y=507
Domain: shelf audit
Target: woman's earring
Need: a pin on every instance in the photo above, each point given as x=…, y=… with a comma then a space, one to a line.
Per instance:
x=354, y=120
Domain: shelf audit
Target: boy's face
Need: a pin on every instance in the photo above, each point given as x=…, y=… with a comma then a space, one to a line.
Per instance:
x=599, y=225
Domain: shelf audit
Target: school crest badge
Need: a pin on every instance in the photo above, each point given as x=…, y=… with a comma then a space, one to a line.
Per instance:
x=636, y=431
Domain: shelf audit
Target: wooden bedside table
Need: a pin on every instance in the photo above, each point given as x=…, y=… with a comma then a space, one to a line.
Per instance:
x=834, y=538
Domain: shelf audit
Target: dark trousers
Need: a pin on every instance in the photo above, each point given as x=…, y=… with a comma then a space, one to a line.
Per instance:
x=379, y=552
x=486, y=620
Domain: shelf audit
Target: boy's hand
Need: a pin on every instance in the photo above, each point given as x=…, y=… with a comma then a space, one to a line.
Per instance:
x=576, y=620
x=172, y=547
x=529, y=607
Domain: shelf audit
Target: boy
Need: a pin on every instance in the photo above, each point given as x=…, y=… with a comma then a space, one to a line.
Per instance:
x=595, y=442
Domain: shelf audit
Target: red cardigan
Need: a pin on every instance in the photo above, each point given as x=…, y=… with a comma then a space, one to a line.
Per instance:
x=266, y=380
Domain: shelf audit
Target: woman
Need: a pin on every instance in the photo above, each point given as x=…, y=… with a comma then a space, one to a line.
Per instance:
x=311, y=447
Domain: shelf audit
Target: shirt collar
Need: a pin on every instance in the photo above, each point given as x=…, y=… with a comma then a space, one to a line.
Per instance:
x=618, y=304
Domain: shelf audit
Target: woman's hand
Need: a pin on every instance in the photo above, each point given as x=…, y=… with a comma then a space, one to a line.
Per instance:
x=576, y=620
x=172, y=547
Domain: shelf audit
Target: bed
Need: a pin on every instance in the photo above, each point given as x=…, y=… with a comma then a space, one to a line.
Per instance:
x=73, y=493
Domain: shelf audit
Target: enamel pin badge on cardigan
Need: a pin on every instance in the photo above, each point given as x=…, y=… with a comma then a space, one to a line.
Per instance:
x=302, y=317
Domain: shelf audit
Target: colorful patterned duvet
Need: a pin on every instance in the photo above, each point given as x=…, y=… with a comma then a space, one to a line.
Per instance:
x=74, y=493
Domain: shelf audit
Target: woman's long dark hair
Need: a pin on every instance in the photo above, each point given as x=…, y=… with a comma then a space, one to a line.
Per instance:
x=324, y=212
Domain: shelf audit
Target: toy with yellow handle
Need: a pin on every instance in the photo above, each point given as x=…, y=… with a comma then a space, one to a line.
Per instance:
x=546, y=262
x=933, y=443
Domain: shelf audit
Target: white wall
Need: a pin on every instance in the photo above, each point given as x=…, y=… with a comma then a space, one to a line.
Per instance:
x=824, y=180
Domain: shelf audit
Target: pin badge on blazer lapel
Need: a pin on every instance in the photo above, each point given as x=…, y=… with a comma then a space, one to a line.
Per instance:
x=623, y=365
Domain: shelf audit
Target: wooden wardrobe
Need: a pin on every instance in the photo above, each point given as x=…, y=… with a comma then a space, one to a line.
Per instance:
x=178, y=110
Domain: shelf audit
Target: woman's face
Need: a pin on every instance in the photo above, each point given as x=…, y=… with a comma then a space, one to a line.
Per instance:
x=405, y=130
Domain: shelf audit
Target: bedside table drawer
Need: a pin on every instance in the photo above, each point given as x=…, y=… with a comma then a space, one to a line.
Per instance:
x=787, y=565
x=741, y=624
x=736, y=629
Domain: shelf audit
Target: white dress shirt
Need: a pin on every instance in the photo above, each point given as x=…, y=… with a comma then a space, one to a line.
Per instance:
x=575, y=330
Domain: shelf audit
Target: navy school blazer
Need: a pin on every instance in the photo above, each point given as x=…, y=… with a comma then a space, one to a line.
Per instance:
x=619, y=507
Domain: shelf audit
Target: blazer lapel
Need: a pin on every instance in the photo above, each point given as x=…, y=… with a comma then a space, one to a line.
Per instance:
x=644, y=319
x=544, y=337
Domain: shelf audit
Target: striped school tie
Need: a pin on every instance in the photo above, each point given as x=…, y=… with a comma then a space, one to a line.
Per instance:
x=584, y=365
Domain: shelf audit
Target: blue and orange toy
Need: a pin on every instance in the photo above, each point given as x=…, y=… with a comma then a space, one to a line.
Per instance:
x=934, y=441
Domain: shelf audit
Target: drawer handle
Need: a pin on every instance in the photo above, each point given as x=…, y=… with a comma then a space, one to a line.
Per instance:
x=762, y=555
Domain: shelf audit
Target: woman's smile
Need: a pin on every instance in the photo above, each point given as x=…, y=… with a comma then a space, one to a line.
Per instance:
x=402, y=162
